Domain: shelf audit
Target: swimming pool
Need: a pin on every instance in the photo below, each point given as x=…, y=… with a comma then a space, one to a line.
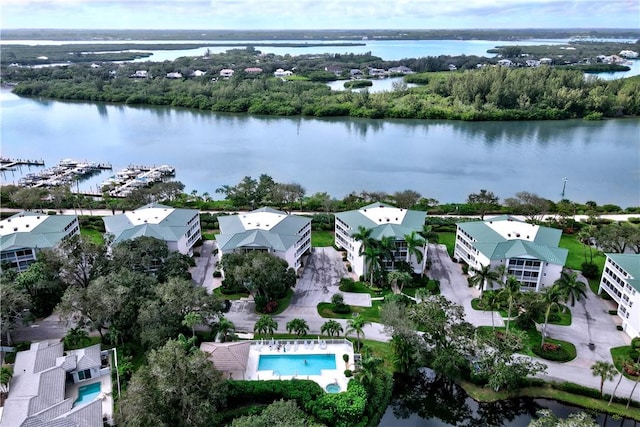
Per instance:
x=87, y=393
x=296, y=364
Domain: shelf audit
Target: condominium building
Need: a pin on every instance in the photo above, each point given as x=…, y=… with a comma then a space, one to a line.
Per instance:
x=180, y=228
x=621, y=280
x=268, y=230
x=384, y=221
x=24, y=234
x=528, y=252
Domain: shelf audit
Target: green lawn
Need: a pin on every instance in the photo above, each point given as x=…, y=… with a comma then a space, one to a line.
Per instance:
x=93, y=235
x=449, y=240
x=217, y=292
x=619, y=355
x=372, y=314
x=534, y=339
x=577, y=253
x=361, y=288
x=322, y=238
x=208, y=236
x=284, y=302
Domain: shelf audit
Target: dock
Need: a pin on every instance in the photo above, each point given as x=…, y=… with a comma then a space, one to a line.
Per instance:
x=136, y=176
x=9, y=164
x=64, y=173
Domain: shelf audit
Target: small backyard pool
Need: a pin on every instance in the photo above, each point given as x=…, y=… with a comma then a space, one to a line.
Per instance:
x=87, y=393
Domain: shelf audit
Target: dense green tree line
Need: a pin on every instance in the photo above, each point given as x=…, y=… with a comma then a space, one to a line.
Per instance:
x=491, y=93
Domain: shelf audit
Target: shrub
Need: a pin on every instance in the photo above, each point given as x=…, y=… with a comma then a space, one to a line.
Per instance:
x=620, y=328
x=630, y=370
x=348, y=373
x=613, y=312
x=558, y=354
x=349, y=268
x=217, y=273
x=341, y=308
x=270, y=307
x=345, y=357
x=347, y=284
x=590, y=270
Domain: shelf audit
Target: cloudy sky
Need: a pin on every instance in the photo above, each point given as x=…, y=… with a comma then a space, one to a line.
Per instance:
x=319, y=14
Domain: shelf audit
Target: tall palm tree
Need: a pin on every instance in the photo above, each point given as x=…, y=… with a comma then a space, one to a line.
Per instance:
x=226, y=329
x=572, y=288
x=266, y=325
x=386, y=250
x=483, y=277
x=357, y=325
x=552, y=297
x=511, y=290
x=414, y=246
x=331, y=328
x=192, y=319
x=298, y=326
x=403, y=353
x=363, y=235
x=396, y=278
x=372, y=260
x=491, y=302
x=636, y=367
x=615, y=388
x=605, y=370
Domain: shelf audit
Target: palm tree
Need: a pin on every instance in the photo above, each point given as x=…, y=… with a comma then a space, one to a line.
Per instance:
x=331, y=328
x=226, y=329
x=636, y=367
x=191, y=320
x=605, y=370
x=386, y=250
x=5, y=378
x=510, y=290
x=299, y=326
x=552, y=297
x=363, y=235
x=403, y=353
x=572, y=288
x=372, y=260
x=414, y=244
x=584, y=236
x=265, y=325
x=398, y=277
x=357, y=325
x=483, y=277
x=75, y=337
x=615, y=388
x=368, y=370
x=491, y=302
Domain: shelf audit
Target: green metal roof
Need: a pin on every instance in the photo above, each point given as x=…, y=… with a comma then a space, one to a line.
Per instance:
x=170, y=229
x=629, y=263
x=280, y=237
x=492, y=245
x=412, y=221
x=522, y=249
x=47, y=234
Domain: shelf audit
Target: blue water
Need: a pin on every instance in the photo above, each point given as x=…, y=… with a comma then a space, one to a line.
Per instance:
x=297, y=364
x=87, y=393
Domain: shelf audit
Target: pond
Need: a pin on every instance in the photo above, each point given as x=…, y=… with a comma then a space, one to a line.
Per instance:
x=419, y=402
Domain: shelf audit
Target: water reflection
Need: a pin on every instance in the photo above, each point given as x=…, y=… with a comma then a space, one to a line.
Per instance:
x=420, y=402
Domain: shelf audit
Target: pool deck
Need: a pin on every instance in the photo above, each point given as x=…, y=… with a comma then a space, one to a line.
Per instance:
x=71, y=392
x=338, y=347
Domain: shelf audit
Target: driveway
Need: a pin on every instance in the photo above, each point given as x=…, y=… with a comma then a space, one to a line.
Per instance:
x=454, y=287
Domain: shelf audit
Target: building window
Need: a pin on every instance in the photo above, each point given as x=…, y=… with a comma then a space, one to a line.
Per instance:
x=84, y=375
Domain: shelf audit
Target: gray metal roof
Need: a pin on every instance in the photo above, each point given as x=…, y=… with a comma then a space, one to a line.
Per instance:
x=37, y=392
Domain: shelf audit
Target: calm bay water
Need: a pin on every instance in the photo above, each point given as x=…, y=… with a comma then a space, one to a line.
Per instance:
x=445, y=160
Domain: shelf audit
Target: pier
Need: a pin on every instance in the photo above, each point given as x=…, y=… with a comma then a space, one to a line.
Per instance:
x=132, y=177
x=64, y=173
x=9, y=164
